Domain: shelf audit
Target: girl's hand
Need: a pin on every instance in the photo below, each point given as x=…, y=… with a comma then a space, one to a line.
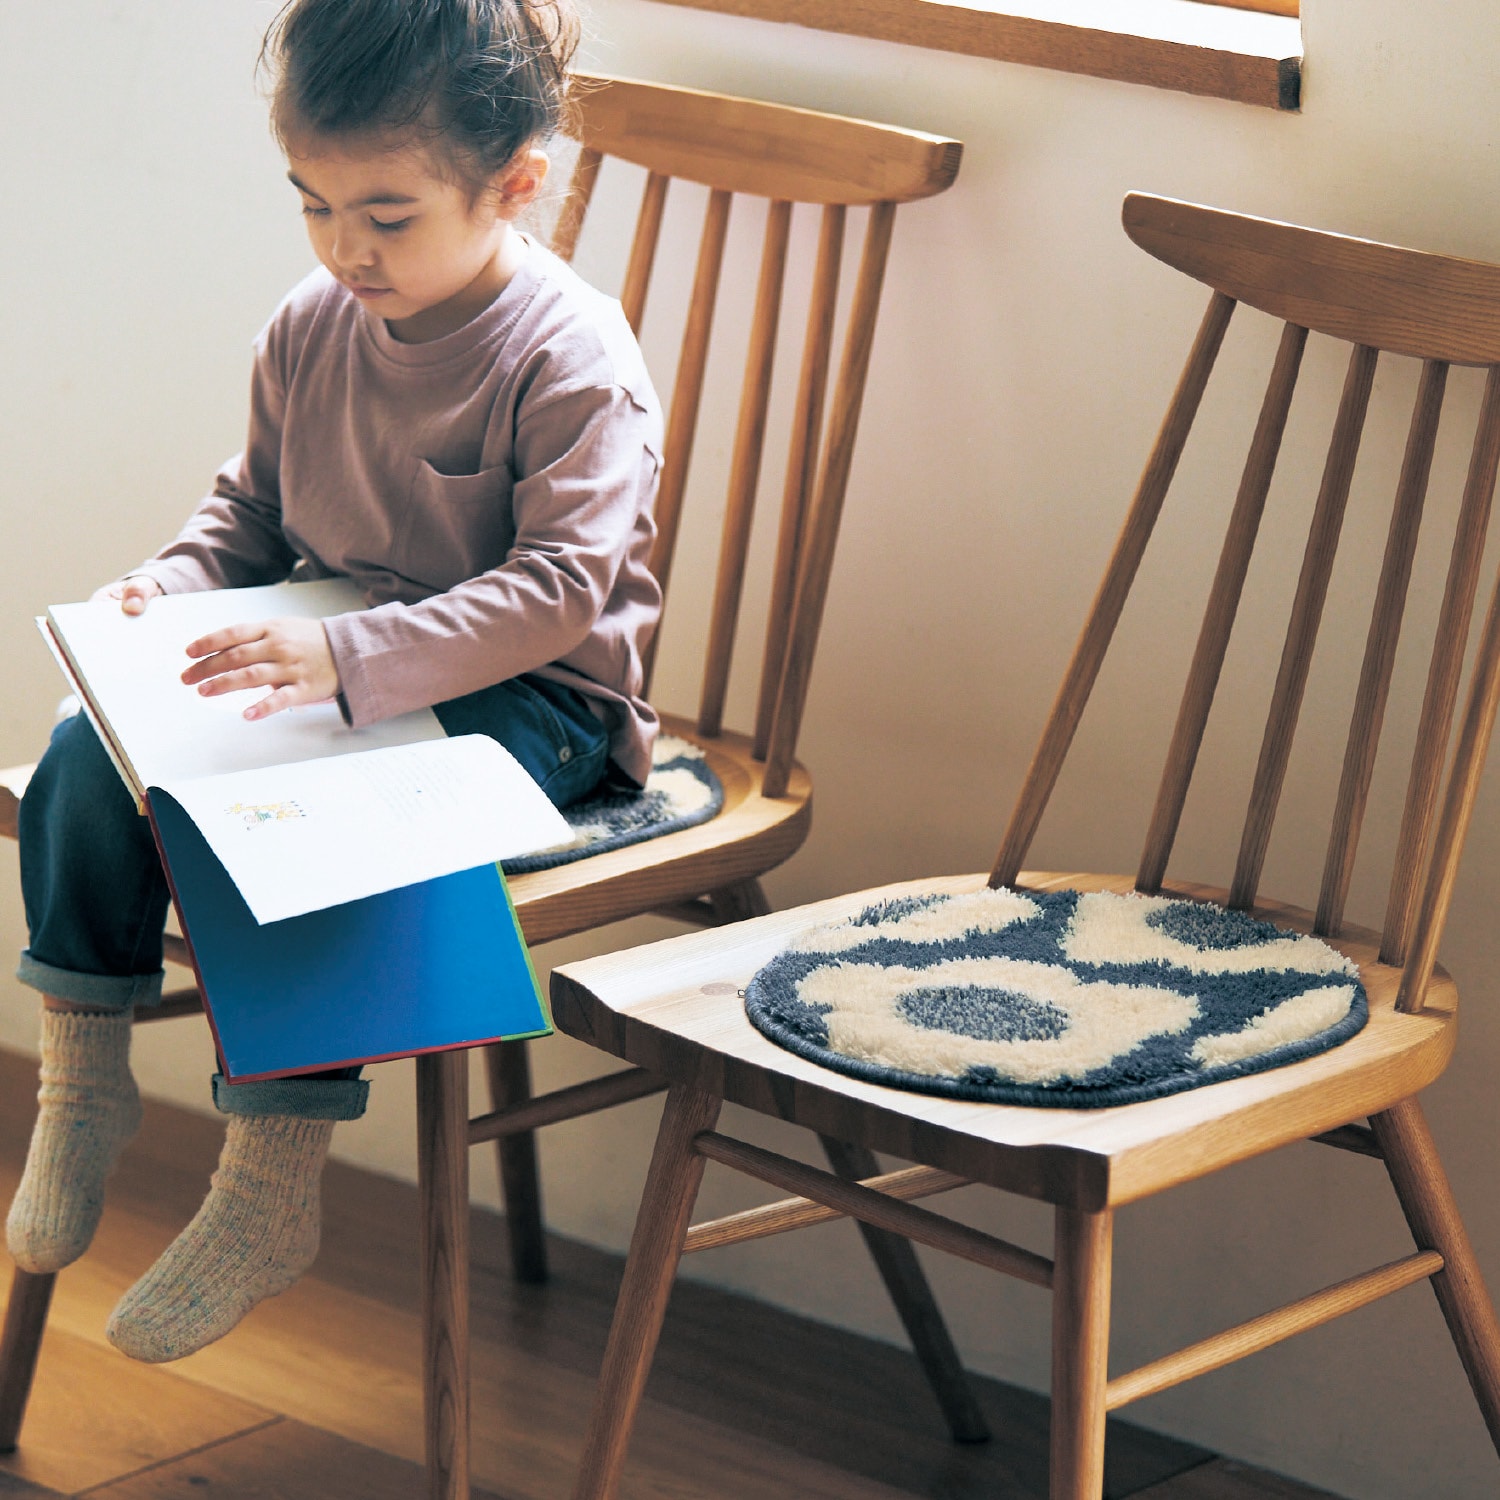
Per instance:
x=291, y=657
x=134, y=593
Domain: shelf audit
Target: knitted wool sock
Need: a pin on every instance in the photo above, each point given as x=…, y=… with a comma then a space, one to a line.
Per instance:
x=256, y=1233
x=89, y=1110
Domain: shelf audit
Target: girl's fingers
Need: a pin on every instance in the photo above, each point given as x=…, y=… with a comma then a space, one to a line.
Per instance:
x=222, y=640
x=228, y=660
x=289, y=656
x=283, y=697
x=132, y=594
x=137, y=593
x=258, y=674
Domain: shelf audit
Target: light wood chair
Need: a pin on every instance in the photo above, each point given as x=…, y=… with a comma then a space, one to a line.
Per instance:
x=707, y=874
x=670, y=1007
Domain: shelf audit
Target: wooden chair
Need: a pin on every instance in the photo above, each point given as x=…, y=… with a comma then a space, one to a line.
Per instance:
x=670, y=1007
x=707, y=874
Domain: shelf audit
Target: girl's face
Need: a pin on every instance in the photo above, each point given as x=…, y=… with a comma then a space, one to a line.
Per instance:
x=409, y=243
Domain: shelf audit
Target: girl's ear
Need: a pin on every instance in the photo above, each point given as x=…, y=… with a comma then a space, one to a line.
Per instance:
x=518, y=183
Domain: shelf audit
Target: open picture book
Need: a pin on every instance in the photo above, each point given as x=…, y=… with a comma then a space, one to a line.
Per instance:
x=338, y=888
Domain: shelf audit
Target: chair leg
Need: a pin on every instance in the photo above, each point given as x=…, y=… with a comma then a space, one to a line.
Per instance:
x=1421, y=1184
x=443, y=1184
x=25, y=1321
x=733, y=903
x=655, y=1248
x=917, y=1308
x=1080, y=1352
x=509, y=1067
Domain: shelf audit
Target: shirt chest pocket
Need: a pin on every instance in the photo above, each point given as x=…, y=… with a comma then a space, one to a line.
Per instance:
x=457, y=526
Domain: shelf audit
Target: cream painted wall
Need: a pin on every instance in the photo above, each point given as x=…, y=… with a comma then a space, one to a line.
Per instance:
x=1025, y=353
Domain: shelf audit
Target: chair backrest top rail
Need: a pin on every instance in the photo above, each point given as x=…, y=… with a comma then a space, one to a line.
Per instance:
x=769, y=150
x=1404, y=301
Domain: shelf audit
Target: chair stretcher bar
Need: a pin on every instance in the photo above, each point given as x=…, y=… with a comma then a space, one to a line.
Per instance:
x=876, y=1208
x=1270, y=1328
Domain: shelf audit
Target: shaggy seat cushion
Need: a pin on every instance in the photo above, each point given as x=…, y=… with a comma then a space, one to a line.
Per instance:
x=680, y=792
x=1058, y=998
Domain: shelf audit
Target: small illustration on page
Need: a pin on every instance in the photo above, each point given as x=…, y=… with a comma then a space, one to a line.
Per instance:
x=257, y=813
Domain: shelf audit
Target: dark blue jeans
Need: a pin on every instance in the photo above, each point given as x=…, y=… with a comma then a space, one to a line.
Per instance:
x=96, y=899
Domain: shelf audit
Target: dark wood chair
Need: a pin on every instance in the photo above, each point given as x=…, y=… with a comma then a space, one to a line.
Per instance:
x=733, y=148
x=670, y=1007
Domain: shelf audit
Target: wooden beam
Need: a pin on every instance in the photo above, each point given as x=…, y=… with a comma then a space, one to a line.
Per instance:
x=443, y=1184
x=1271, y=1328
x=1357, y=1138
x=875, y=1208
x=695, y=913
x=1266, y=7
x=798, y=1213
x=12, y=786
x=173, y=1004
x=21, y=1342
x=565, y=1104
x=1255, y=59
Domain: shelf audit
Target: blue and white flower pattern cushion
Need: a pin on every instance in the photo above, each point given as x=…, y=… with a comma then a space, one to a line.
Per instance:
x=1055, y=998
x=681, y=792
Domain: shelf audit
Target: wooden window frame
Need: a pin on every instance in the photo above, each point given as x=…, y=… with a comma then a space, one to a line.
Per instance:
x=1270, y=7
x=1245, y=50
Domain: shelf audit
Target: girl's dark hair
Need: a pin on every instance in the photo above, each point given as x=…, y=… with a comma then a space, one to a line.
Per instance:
x=475, y=79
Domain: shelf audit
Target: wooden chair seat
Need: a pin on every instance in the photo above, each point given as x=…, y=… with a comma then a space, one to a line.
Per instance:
x=13, y=782
x=751, y=834
x=672, y=1007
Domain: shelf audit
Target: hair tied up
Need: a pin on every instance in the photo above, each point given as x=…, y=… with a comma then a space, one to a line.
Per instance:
x=475, y=80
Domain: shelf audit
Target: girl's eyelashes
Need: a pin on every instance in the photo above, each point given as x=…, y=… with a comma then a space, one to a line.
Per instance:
x=385, y=226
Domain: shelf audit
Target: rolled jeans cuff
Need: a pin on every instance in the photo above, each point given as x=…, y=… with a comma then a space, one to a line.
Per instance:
x=304, y=1098
x=117, y=992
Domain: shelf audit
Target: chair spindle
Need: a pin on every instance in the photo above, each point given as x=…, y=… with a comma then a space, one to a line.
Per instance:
x=1380, y=650
x=682, y=424
x=826, y=511
x=1078, y=681
x=1223, y=603
x=802, y=462
x=643, y=249
x=443, y=1184
x=1302, y=630
x=1435, y=723
x=749, y=446
x=1463, y=788
x=575, y=205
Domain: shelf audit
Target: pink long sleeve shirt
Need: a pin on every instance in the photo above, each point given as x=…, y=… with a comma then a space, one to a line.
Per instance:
x=490, y=492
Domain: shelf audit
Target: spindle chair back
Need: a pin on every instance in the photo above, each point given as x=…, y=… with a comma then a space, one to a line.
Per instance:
x=785, y=157
x=655, y=1005
x=1379, y=299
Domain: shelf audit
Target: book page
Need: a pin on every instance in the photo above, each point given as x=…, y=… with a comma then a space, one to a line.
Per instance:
x=130, y=666
x=302, y=837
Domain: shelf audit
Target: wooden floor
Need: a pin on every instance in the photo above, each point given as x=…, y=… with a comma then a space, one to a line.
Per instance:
x=315, y=1396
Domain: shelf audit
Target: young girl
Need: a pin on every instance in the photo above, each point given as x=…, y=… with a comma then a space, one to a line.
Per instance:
x=444, y=413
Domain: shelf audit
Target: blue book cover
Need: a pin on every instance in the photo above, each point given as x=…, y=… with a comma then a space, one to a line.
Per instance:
x=428, y=967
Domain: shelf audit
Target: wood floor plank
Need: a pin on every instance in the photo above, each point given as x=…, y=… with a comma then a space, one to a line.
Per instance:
x=1223, y=1479
x=349, y=1365
x=95, y=1416
x=21, y=1489
x=284, y=1461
